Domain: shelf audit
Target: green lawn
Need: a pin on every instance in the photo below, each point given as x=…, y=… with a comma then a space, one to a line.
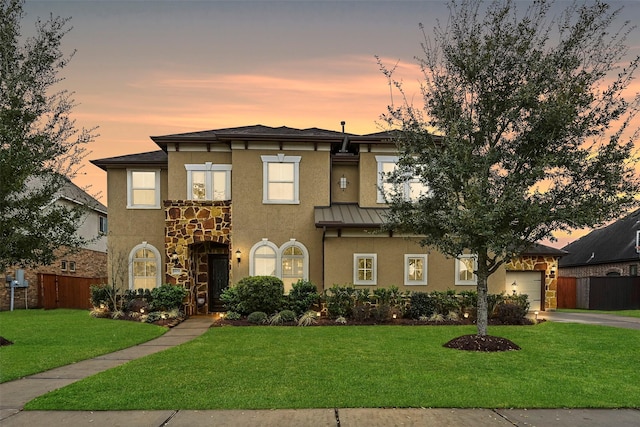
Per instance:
x=560, y=365
x=44, y=340
x=625, y=313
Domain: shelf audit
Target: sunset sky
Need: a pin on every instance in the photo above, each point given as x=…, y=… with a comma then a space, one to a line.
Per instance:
x=147, y=68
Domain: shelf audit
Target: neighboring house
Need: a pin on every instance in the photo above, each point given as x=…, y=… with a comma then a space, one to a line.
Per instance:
x=613, y=250
x=212, y=207
x=89, y=261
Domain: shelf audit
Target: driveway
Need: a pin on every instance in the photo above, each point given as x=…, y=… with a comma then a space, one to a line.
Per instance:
x=591, y=319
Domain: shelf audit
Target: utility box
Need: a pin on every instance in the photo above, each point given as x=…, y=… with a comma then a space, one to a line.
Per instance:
x=20, y=281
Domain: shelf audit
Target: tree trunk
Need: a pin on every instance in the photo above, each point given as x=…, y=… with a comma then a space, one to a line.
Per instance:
x=483, y=315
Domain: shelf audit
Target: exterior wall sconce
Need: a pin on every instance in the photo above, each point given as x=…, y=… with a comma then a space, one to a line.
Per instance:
x=514, y=286
x=342, y=182
x=238, y=256
x=175, y=259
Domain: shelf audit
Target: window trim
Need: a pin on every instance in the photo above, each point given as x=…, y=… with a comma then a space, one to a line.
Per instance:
x=404, y=188
x=374, y=269
x=279, y=251
x=208, y=168
x=281, y=158
x=132, y=257
x=130, y=204
x=409, y=282
x=252, y=253
x=103, y=225
x=473, y=282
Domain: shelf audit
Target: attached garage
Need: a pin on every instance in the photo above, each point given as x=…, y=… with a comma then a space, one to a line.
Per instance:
x=526, y=282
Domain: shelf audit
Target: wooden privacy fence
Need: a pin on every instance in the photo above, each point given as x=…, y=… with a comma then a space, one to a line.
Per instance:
x=609, y=293
x=66, y=291
x=566, y=292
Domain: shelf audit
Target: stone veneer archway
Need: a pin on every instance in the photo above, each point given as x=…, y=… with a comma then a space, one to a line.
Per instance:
x=189, y=223
x=546, y=263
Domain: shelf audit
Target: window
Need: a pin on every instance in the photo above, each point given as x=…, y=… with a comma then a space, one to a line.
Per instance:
x=465, y=267
x=633, y=270
x=263, y=259
x=208, y=182
x=280, y=179
x=290, y=262
x=415, y=269
x=72, y=266
x=143, y=189
x=144, y=267
x=63, y=265
x=365, y=269
x=411, y=189
x=102, y=224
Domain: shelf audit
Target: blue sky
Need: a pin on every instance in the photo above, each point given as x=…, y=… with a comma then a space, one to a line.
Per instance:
x=159, y=67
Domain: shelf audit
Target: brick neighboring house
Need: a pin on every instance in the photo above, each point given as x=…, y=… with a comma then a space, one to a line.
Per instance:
x=211, y=207
x=613, y=250
x=89, y=261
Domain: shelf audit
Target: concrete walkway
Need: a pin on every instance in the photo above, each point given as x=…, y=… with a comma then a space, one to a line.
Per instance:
x=14, y=394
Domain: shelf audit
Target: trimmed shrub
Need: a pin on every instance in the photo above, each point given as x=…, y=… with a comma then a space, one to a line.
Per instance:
x=257, y=317
x=167, y=297
x=260, y=293
x=102, y=295
x=232, y=315
x=340, y=301
x=510, y=314
x=231, y=300
x=288, y=316
x=421, y=305
x=445, y=301
x=302, y=296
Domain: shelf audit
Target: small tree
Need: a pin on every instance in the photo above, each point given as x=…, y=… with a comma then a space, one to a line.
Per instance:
x=531, y=116
x=40, y=147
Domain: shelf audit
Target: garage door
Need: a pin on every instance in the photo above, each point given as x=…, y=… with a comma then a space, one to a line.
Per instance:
x=528, y=282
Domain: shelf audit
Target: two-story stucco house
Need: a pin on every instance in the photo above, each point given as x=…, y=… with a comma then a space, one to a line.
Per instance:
x=209, y=208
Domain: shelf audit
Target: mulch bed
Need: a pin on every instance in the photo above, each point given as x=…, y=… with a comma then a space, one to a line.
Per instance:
x=481, y=343
x=4, y=341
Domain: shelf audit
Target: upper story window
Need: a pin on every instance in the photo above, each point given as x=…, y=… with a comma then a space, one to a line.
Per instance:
x=143, y=189
x=281, y=179
x=208, y=181
x=102, y=224
x=465, y=268
x=411, y=189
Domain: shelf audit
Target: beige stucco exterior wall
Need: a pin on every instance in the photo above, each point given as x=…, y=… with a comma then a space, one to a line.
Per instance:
x=131, y=227
x=352, y=192
x=252, y=220
x=368, y=181
x=177, y=176
x=390, y=252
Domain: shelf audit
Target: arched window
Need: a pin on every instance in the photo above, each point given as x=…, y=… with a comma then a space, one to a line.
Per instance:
x=295, y=263
x=264, y=259
x=144, y=267
x=290, y=262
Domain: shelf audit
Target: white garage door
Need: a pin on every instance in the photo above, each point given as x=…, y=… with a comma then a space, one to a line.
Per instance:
x=528, y=282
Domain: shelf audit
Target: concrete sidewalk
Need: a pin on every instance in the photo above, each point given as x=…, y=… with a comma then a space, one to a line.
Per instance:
x=14, y=394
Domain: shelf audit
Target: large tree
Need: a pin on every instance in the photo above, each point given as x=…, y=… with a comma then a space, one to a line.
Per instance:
x=40, y=147
x=531, y=128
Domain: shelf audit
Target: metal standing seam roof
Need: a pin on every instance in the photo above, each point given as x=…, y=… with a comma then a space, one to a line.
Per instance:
x=349, y=215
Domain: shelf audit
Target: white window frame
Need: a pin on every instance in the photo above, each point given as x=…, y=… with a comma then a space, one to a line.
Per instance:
x=208, y=168
x=130, y=204
x=281, y=158
x=252, y=256
x=472, y=282
x=403, y=188
x=132, y=257
x=72, y=266
x=374, y=269
x=279, y=256
x=63, y=265
x=407, y=280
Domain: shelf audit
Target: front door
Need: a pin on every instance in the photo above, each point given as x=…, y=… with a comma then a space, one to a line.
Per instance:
x=218, y=280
